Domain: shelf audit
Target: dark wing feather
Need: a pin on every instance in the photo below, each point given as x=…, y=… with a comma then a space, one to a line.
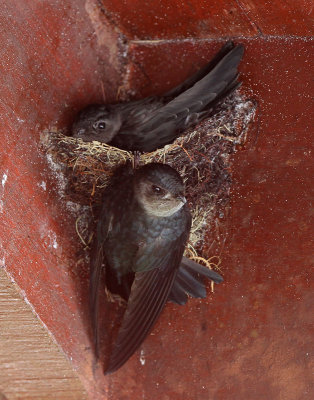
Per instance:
x=149, y=293
x=190, y=285
x=192, y=267
x=190, y=281
x=107, y=217
x=177, y=295
x=166, y=123
x=97, y=259
x=189, y=82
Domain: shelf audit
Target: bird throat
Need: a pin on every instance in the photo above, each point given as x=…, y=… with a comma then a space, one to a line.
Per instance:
x=159, y=211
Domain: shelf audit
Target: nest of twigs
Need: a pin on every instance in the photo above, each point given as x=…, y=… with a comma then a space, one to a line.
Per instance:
x=201, y=156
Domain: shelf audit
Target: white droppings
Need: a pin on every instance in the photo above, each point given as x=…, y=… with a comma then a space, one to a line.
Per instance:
x=43, y=185
x=48, y=237
x=3, y=182
x=76, y=208
x=2, y=262
x=52, y=240
x=4, y=179
x=142, y=358
x=58, y=173
x=55, y=244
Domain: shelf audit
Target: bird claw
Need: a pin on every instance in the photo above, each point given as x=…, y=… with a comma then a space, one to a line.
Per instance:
x=136, y=159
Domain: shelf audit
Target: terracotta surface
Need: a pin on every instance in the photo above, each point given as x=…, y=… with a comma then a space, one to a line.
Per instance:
x=153, y=20
x=252, y=338
x=178, y=19
x=52, y=62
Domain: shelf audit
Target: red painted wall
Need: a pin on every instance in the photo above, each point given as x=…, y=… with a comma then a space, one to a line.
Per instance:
x=251, y=339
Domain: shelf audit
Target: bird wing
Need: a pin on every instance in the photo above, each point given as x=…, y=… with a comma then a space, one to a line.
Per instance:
x=97, y=259
x=149, y=293
x=165, y=123
x=190, y=281
x=108, y=217
x=201, y=73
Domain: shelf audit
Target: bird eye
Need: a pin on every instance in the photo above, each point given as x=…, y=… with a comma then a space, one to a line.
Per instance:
x=157, y=189
x=100, y=125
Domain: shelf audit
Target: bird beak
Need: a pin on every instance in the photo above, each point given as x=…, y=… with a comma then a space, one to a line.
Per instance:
x=182, y=198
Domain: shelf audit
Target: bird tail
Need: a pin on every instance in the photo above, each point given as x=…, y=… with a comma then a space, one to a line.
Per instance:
x=190, y=281
x=195, y=103
x=200, y=74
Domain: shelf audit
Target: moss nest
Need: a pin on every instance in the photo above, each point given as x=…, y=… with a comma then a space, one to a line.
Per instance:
x=201, y=156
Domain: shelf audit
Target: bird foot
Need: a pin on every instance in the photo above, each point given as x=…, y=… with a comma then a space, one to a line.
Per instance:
x=136, y=159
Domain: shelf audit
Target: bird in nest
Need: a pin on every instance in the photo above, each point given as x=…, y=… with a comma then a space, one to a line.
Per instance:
x=151, y=123
x=142, y=232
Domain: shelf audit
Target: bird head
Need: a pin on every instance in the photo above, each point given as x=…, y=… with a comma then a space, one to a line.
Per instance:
x=159, y=189
x=95, y=122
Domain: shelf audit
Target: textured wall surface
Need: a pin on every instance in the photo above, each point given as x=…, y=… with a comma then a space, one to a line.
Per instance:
x=251, y=338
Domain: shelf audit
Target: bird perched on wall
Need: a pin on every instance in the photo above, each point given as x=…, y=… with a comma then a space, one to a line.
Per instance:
x=142, y=231
x=148, y=124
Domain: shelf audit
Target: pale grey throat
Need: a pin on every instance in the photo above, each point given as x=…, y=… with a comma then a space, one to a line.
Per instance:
x=154, y=209
x=158, y=206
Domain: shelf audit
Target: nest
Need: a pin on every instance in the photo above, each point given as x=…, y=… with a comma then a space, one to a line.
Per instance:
x=201, y=156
